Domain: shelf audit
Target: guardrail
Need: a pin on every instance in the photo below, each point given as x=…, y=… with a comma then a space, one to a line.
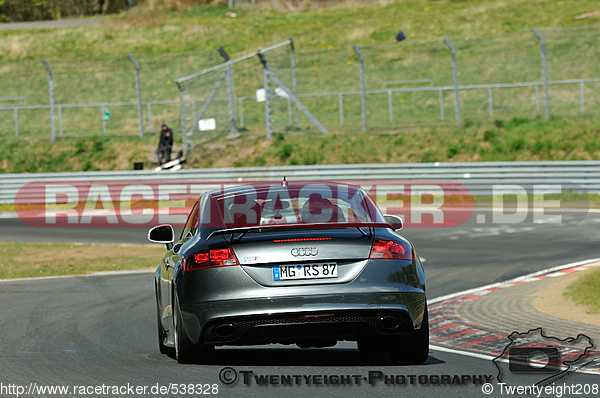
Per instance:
x=478, y=177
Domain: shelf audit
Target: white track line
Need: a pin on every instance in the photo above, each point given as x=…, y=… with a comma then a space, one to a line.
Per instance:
x=510, y=281
x=464, y=353
x=501, y=284
x=95, y=273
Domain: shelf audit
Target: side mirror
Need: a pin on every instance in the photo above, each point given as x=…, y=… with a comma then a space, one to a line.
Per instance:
x=162, y=234
x=395, y=221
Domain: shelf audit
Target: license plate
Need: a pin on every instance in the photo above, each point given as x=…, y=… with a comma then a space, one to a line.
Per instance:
x=305, y=271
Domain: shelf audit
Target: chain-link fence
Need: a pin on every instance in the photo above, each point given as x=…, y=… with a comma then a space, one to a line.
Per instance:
x=453, y=80
x=244, y=91
x=95, y=96
x=526, y=74
x=573, y=54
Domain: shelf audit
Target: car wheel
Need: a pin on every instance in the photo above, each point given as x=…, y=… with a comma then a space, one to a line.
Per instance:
x=414, y=349
x=205, y=353
x=184, y=348
x=161, y=333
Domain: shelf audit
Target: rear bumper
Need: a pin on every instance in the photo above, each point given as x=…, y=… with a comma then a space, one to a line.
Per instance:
x=228, y=295
x=358, y=316
x=299, y=328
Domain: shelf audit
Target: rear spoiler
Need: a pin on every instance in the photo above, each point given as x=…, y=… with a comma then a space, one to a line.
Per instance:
x=244, y=230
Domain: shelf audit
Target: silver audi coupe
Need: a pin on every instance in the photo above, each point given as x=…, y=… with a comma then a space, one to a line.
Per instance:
x=305, y=263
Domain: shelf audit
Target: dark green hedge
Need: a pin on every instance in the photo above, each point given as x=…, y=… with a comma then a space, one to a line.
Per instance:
x=36, y=10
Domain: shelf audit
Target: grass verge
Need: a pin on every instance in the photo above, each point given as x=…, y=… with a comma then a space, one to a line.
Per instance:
x=585, y=291
x=516, y=139
x=44, y=259
x=77, y=154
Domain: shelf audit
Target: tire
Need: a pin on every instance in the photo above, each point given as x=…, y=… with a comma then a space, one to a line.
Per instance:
x=205, y=353
x=414, y=349
x=161, y=333
x=184, y=348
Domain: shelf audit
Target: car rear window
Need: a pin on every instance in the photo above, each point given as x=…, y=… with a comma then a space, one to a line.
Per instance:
x=250, y=206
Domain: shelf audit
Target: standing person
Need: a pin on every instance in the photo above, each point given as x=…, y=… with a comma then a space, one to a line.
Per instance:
x=165, y=144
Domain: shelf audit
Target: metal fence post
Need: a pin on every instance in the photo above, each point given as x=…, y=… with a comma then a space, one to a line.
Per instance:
x=441, y=95
x=290, y=112
x=149, y=112
x=341, y=106
x=51, y=95
x=544, y=71
x=241, y=112
x=455, y=79
x=582, y=97
x=60, y=120
x=267, y=86
x=16, y=115
x=363, y=94
x=491, y=102
x=232, y=107
x=103, y=120
x=182, y=115
x=390, y=107
x=231, y=89
x=138, y=91
x=294, y=80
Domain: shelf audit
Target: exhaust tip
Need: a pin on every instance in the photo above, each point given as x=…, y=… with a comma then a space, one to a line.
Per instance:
x=388, y=322
x=226, y=330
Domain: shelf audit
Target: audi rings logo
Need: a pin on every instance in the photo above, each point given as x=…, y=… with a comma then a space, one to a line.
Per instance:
x=304, y=251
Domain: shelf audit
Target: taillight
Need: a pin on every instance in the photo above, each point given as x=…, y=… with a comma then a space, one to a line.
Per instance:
x=210, y=259
x=387, y=249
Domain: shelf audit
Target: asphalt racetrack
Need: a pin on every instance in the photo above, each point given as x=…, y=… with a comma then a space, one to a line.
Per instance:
x=101, y=330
